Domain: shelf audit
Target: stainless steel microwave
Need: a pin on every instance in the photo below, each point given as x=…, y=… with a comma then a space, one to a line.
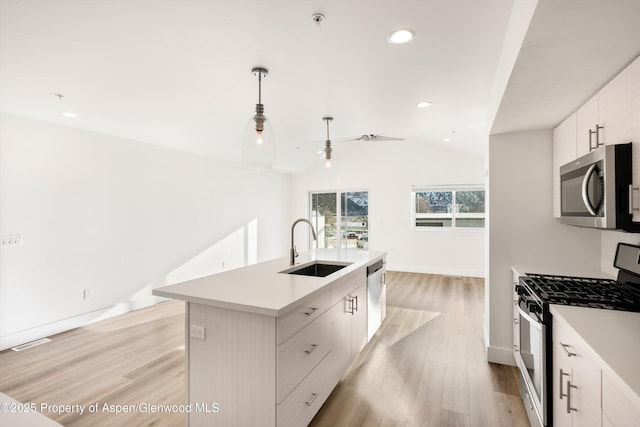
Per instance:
x=596, y=189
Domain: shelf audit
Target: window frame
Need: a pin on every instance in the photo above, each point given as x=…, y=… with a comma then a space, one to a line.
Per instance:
x=339, y=229
x=452, y=214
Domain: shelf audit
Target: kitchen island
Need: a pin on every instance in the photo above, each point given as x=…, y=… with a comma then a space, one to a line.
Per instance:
x=265, y=348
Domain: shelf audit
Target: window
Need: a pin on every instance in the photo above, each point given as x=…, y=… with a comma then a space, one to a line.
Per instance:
x=352, y=230
x=448, y=207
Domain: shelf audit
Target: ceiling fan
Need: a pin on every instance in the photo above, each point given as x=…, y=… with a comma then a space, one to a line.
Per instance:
x=372, y=138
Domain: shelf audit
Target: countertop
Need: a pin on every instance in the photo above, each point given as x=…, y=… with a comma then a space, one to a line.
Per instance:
x=614, y=337
x=261, y=288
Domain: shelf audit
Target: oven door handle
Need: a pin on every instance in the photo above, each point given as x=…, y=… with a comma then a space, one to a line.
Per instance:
x=534, y=322
x=585, y=190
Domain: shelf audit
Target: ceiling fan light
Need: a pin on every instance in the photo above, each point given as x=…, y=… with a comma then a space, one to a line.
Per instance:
x=401, y=36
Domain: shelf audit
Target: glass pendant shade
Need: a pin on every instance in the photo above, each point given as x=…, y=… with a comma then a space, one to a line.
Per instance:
x=258, y=147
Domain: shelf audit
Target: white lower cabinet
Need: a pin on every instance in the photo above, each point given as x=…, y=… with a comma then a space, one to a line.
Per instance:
x=618, y=409
x=302, y=404
x=576, y=381
x=264, y=371
x=299, y=355
x=584, y=394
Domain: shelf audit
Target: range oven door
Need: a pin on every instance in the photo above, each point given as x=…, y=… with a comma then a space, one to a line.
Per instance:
x=530, y=354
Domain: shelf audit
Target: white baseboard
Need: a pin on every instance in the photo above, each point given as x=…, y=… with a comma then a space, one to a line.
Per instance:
x=430, y=269
x=500, y=355
x=32, y=334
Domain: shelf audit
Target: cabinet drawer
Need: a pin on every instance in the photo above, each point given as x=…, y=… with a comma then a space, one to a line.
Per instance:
x=301, y=316
x=300, y=354
x=347, y=284
x=621, y=410
x=306, y=399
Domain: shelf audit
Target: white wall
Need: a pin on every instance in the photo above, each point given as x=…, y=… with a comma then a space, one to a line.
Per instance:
x=388, y=170
x=119, y=217
x=522, y=231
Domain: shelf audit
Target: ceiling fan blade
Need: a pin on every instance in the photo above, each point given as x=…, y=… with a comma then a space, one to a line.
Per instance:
x=349, y=139
x=370, y=138
x=386, y=138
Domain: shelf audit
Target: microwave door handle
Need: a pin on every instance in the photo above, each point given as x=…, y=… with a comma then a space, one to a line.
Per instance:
x=585, y=190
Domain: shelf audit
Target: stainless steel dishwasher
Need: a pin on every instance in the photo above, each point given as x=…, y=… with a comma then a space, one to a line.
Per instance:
x=376, y=297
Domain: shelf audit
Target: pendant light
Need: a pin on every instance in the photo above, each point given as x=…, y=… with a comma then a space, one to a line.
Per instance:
x=327, y=144
x=258, y=146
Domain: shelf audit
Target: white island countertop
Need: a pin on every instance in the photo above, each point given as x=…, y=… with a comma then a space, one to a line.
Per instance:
x=261, y=288
x=614, y=338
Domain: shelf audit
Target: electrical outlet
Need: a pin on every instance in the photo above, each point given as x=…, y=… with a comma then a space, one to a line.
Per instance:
x=86, y=294
x=196, y=332
x=11, y=240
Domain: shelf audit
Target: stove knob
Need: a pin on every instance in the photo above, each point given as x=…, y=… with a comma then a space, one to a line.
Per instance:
x=533, y=307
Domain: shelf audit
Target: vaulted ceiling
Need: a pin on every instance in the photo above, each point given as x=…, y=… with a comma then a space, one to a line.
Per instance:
x=177, y=73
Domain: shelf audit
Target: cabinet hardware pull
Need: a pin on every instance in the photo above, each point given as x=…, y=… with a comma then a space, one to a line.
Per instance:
x=515, y=348
x=311, y=311
x=313, y=397
x=356, y=306
x=632, y=208
x=598, y=143
x=562, y=374
x=591, y=147
x=311, y=350
x=569, y=387
x=383, y=278
x=569, y=353
x=351, y=308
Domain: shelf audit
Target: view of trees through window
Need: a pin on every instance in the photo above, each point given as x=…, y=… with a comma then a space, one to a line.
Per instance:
x=449, y=208
x=352, y=230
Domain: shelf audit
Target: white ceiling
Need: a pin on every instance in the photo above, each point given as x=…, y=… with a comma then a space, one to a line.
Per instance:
x=572, y=48
x=177, y=73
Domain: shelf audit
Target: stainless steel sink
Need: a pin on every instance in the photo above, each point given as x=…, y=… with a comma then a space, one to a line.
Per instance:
x=316, y=269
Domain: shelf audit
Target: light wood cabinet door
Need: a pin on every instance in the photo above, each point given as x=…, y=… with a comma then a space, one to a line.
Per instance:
x=586, y=120
x=564, y=151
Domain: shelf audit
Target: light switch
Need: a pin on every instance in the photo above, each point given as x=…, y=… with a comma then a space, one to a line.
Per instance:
x=196, y=332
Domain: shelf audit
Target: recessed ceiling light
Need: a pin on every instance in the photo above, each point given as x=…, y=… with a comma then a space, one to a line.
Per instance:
x=424, y=104
x=401, y=36
x=69, y=114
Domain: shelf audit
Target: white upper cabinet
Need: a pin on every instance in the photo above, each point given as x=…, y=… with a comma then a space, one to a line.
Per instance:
x=614, y=109
x=612, y=116
x=587, y=119
x=564, y=151
x=607, y=117
x=635, y=124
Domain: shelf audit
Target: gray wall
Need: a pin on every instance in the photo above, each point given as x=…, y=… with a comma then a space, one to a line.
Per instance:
x=522, y=231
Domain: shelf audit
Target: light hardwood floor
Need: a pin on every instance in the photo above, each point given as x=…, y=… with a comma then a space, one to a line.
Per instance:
x=426, y=366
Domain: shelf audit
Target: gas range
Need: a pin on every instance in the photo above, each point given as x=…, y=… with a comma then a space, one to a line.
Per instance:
x=581, y=291
x=533, y=323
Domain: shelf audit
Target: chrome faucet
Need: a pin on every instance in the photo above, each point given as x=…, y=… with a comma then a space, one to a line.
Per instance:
x=294, y=253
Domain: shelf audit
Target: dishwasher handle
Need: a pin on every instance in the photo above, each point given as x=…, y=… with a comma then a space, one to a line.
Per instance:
x=373, y=268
